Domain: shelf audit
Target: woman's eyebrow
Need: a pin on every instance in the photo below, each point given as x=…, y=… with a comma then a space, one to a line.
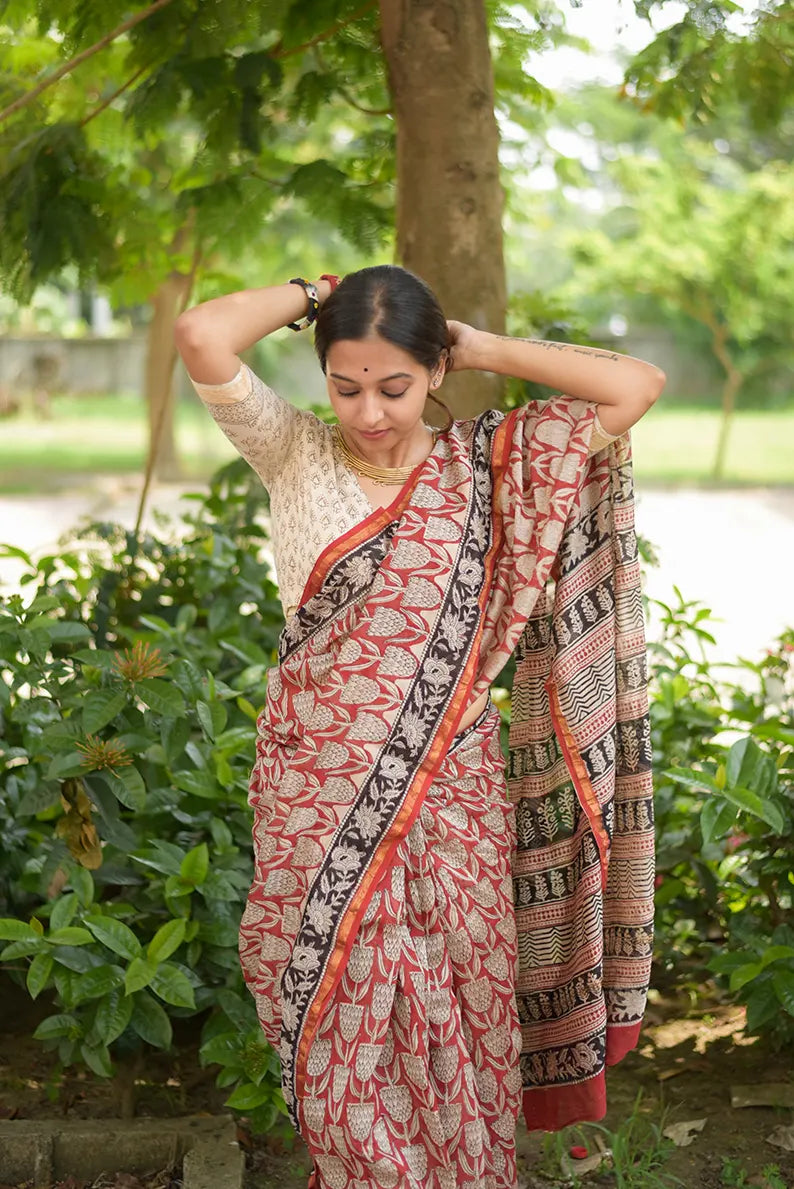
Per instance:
x=396, y=376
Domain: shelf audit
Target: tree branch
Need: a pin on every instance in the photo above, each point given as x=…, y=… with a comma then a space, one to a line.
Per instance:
x=278, y=52
x=67, y=67
x=119, y=91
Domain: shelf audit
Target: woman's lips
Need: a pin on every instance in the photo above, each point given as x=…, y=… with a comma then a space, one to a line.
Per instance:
x=375, y=433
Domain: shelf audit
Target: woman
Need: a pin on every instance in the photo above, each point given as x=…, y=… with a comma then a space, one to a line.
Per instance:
x=379, y=938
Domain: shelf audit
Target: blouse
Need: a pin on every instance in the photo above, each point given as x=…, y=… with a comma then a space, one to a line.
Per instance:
x=314, y=497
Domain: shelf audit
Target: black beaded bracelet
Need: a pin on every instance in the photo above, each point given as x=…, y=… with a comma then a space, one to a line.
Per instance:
x=314, y=303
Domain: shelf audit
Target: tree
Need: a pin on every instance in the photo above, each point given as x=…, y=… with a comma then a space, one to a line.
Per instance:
x=153, y=165
x=710, y=242
x=703, y=61
x=449, y=194
x=168, y=141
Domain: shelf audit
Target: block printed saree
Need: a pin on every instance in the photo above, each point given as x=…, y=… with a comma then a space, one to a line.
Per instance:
x=424, y=953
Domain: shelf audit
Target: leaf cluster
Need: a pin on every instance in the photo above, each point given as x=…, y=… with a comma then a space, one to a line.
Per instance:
x=129, y=687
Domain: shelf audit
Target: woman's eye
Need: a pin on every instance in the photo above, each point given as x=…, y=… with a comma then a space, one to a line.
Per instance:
x=341, y=393
x=395, y=395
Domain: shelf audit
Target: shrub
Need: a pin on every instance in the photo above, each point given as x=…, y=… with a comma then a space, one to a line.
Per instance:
x=130, y=679
x=130, y=686
x=724, y=794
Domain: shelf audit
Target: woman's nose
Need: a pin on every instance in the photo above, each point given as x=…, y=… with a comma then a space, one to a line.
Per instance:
x=371, y=411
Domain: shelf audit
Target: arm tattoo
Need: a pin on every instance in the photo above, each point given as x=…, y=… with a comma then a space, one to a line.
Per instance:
x=546, y=345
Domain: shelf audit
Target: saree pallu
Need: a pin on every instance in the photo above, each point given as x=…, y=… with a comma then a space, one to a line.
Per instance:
x=406, y=620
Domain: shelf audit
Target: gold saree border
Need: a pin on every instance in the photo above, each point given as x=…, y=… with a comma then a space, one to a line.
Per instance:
x=415, y=795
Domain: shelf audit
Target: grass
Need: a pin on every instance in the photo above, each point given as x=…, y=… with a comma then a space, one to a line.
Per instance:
x=678, y=445
x=635, y=1153
x=108, y=435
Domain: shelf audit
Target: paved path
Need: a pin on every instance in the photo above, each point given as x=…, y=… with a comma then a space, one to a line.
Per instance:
x=732, y=550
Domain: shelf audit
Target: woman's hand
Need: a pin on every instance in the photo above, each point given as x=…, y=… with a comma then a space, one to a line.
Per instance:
x=463, y=344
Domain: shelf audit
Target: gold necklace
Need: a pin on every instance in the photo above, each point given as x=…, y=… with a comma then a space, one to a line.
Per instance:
x=381, y=476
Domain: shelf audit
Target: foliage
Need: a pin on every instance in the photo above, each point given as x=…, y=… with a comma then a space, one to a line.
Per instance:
x=205, y=122
x=705, y=58
x=128, y=695
x=724, y=789
x=130, y=676
x=635, y=1152
x=733, y=1176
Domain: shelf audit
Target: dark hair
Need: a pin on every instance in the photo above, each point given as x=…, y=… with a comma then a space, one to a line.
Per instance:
x=389, y=301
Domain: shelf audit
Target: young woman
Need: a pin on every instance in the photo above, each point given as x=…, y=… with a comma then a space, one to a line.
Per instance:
x=425, y=952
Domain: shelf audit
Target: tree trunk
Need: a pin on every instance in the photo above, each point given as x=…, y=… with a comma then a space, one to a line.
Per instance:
x=449, y=196
x=734, y=379
x=167, y=304
x=730, y=389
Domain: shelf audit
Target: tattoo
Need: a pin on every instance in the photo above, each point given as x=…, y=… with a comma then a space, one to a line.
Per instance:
x=573, y=348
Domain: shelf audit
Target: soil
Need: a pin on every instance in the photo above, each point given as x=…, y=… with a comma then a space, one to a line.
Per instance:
x=692, y=1051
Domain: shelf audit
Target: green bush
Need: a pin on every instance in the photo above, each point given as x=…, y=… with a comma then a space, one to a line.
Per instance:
x=130, y=678
x=130, y=687
x=724, y=795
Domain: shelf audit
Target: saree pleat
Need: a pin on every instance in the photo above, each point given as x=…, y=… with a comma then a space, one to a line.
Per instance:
x=423, y=954
x=413, y=1074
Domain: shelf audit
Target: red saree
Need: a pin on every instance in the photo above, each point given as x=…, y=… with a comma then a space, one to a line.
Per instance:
x=379, y=938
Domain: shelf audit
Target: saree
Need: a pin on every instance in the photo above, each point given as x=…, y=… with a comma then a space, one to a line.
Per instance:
x=424, y=953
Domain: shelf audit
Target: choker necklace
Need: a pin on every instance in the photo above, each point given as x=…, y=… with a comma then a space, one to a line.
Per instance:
x=381, y=476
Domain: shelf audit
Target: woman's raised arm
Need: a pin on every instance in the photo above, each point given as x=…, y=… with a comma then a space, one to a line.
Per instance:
x=210, y=336
x=623, y=387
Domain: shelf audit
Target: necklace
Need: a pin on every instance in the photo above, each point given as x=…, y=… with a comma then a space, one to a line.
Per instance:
x=381, y=476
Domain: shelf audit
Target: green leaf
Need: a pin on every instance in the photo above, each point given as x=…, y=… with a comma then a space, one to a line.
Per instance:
x=246, y=1097
x=23, y=948
x=753, y=804
x=160, y=696
x=749, y=767
x=173, y=986
x=113, y=1015
x=67, y=630
x=96, y=983
x=777, y=953
x=83, y=883
x=744, y=975
x=783, y=982
x=200, y=784
x=692, y=779
x=63, y=911
x=248, y=709
x=97, y=1058
x=139, y=974
x=150, y=1021
x=195, y=865
x=221, y=1050
x=166, y=940
x=14, y=930
x=55, y=1026
x=126, y=785
x=212, y=716
x=100, y=707
x=117, y=936
x=71, y=935
x=38, y=974
x=67, y=764
x=716, y=817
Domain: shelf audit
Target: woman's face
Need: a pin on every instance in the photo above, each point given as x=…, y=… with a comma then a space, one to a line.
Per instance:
x=377, y=391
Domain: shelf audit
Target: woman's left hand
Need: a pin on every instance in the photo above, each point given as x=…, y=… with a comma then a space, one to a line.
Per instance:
x=463, y=346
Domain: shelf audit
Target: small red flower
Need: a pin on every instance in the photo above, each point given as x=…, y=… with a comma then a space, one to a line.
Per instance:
x=578, y=1152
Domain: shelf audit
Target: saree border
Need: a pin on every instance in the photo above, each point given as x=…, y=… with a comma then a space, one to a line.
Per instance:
x=441, y=732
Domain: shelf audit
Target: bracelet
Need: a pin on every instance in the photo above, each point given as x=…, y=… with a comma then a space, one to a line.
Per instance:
x=314, y=303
